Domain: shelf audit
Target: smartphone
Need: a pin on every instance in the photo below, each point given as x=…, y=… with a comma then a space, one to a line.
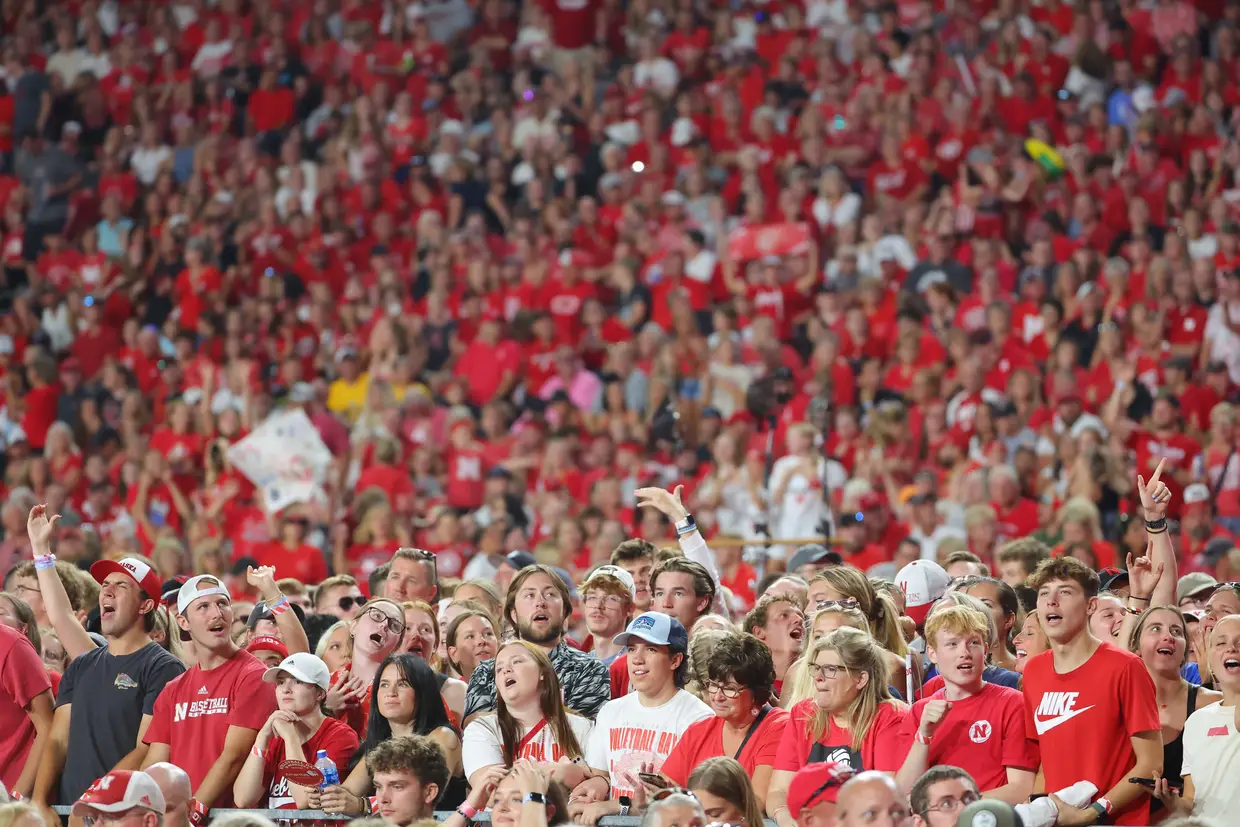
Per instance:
x=653, y=779
x=1148, y=783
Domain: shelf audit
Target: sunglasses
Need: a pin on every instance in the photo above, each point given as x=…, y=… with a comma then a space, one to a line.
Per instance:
x=347, y=602
x=846, y=603
x=667, y=792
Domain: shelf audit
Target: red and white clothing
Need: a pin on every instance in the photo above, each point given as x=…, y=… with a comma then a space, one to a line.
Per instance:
x=482, y=743
x=194, y=712
x=883, y=747
x=336, y=737
x=984, y=734
x=628, y=734
x=1085, y=719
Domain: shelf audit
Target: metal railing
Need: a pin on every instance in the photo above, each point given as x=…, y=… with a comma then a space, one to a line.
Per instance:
x=319, y=815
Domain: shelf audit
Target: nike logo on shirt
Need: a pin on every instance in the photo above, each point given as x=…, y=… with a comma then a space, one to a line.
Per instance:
x=1046, y=726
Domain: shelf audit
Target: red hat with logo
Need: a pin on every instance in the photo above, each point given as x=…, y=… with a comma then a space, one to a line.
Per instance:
x=140, y=572
x=118, y=791
x=268, y=643
x=816, y=783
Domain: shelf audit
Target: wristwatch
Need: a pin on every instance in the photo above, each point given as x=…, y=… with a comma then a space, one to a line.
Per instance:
x=686, y=526
x=535, y=798
x=625, y=804
x=1103, y=808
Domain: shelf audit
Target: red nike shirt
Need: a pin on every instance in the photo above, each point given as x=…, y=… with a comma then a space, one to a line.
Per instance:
x=1085, y=719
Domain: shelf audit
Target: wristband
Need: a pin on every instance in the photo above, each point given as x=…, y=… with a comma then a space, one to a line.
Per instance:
x=369, y=804
x=279, y=607
x=197, y=813
x=45, y=561
x=921, y=739
x=1132, y=611
x=1106, y=804
x=1135, y=597
x=536, y=798
x=1156, y=526
x=686, y=526
x=254, y=750
x=468, y=811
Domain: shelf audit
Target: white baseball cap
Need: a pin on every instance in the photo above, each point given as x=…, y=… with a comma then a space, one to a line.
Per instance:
x=303, y=666
x=656, y=628
x=616, y=572
x=923, y=582
x=119, y=791
x=200, y=585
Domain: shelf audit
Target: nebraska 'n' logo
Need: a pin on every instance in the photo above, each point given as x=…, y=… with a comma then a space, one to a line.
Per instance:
x=979, y=733
x=180, y=712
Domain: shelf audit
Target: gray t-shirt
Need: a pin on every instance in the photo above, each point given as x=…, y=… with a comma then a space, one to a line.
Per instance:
x=51, y=167
x=109, y=696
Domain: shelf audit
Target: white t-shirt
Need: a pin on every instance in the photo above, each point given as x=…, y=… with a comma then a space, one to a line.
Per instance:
x=627, y=735
x=1212, y=758
x=482, y=744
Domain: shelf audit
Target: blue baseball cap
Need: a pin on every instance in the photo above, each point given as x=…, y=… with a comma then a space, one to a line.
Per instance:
x=656, y=628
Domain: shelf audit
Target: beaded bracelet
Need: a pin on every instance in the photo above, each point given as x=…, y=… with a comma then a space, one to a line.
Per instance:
x=45, y=561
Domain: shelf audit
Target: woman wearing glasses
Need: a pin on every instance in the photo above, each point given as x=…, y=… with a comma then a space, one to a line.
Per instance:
x=724, y=787
x=1224, y=601
x=397, y=710
x=852, y=718
x=377, y=631
x=799, y=682
x=846, y=586
x=529, y=720
x=739, y=676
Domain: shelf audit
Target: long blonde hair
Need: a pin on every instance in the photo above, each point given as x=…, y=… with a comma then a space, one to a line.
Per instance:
x=859, y=654
x=879, y=608
x=798, y=680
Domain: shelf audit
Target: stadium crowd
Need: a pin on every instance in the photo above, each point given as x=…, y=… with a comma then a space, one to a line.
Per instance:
x=798, y=410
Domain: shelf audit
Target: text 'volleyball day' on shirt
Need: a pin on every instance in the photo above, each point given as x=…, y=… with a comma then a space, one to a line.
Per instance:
x=627, y=735
x=1083, y=721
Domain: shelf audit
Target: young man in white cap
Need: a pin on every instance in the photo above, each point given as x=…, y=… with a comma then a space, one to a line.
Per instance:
x=608, y=595
x=206, y=720
x=296, y=731
x=107, y=695
x=120, y=796
x=639, y=730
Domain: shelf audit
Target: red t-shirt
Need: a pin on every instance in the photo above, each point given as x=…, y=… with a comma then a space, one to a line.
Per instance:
x=984, y=735
x=466, y=478
x=704, y=739
x=1086, y=717
x=883, y=748
x=305, y=563
x=193, y=713
x=40, y=413
x=337, y=738
x=22, y=678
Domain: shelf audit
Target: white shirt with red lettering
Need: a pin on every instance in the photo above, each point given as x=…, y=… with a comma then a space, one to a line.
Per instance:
x=482, y=744
x=627, y=735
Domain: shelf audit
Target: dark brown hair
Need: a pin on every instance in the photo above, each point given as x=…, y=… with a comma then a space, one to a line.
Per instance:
x=1065, y=568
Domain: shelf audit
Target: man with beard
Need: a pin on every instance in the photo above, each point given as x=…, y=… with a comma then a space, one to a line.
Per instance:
x=107, y=695
x=206, y=720
x=537, y=605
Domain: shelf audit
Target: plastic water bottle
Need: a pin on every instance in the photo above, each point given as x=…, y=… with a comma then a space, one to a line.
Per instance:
x=325, y=765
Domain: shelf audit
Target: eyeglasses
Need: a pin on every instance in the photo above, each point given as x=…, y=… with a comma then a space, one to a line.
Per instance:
x=827, y=671
x=727, y=691
x=949, y=805
x=846, y=603
x=611, y=601
x=386, y=620
x=347, y=602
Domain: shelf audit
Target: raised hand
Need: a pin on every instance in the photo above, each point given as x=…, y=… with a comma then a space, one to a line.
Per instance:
x=41, y=528
x=1143, y=576
x=263, y=580
x=1155, y=496
x=667, y=502
x=932, y=715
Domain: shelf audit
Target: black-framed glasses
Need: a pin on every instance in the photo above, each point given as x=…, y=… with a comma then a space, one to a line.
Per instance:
x=846, y=603
x=728, y=691
x=383, y=619
x=951, y=805
x=347, y=602
x=827, y=671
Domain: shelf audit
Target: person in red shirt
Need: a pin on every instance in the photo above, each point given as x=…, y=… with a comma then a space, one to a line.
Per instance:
x=489, y=365
x=1089, y=704
x=779, y=622
x=25, y=710
x=206, y=720
x=296, y=731
x=969, y=723
x=388, y=475
x=1017, y=515
x=466, y=467
x=828, y=726
x=40, y=402
x=745, y=725
x=290, y=555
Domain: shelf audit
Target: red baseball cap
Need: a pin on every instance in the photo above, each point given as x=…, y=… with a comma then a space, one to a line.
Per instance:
x=140, y=572
x=118, y=791
x=816, y=783
x=268, y=643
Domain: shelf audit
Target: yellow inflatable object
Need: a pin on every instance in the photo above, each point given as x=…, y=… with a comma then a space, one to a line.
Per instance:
x=1045, y=156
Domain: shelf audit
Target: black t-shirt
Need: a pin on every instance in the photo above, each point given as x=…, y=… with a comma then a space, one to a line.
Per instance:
x=112, y=694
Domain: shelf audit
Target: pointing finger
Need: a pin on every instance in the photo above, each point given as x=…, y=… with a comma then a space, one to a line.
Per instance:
x=1158, y=470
